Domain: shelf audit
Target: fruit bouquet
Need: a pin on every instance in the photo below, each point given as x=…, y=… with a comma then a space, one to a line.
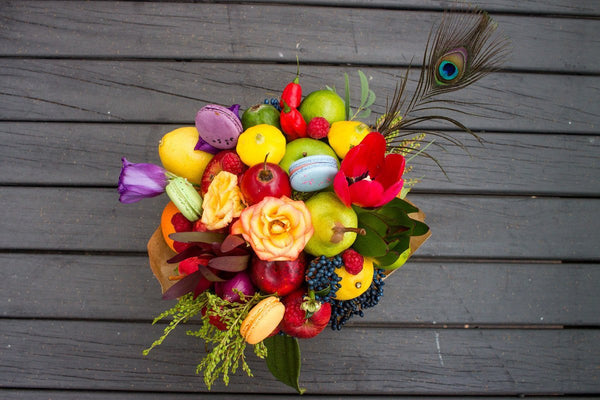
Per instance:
x=288, y=219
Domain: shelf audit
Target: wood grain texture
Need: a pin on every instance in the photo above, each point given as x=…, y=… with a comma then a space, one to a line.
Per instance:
x=253, y=32
x=123, y=288
x=12, y=394
x=88, y=154
x=463, y=226
x=107, y=356
x=135, y=91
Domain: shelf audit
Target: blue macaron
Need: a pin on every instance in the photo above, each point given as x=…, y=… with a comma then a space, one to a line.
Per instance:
x=313, y=173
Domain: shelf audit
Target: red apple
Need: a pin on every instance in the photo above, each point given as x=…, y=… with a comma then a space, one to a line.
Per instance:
x=295, y=322
x=262, y=180
x=226, y=160
x=281, y=277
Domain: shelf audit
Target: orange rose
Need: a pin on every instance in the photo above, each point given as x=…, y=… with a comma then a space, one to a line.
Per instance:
x=277, y=229
x=223, y=202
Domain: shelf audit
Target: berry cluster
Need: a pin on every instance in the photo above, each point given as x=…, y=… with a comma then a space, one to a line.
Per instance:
x=342, y=311
x=274, y=102
x=320, y=276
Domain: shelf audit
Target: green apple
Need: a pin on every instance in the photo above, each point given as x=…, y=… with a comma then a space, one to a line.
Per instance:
x=335, y=225
x=305, y=147
x=260, y=114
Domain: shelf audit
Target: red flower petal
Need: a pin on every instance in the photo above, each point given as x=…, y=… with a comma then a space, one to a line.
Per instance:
x=366, y=156
x=393, y=168
x=366, y=193
x=340, y=186
x=389, y=193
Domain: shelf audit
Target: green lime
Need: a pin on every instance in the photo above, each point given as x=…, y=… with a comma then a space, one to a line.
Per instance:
x=323, y=103
x=260, y=114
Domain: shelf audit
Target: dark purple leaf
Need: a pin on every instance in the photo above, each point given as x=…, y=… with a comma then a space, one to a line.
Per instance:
x=194, y=251
x=185, y=285
x=209, y=275
x=231, y=242
x=230, y=263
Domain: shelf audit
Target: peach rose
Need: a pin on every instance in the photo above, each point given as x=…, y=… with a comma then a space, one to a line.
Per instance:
x=222, y=202
x=277, y=229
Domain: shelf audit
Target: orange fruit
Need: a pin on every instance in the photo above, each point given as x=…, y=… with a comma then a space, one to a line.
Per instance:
x=165, y=223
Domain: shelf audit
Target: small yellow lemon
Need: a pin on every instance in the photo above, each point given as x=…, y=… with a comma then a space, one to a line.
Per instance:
x=344, y=135
x=177, y=154
x=354, y=285
x=257, y=141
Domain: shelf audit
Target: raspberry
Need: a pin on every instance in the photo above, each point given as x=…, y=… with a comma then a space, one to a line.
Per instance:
x=231, y=162
x=318, y=128
x=294, y=315
x=181, y=223
x=353, y=261
x=199, y=226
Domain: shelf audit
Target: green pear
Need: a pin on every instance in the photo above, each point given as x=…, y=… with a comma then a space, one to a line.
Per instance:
x=304, y=147
x=335, y=225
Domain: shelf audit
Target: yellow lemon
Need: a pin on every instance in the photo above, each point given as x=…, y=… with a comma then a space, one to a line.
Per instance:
x=354, y=285
x=177, y=154
x=257, y=141
x=344, y=135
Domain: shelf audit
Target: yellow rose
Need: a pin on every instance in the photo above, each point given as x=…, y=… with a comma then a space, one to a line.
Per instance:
x=222, y=202
x=277, y=229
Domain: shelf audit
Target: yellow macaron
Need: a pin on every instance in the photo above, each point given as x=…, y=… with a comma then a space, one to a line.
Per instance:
x=262, y=320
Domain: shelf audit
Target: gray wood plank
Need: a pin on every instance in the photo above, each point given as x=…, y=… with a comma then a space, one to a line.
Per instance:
x=123, y=288
x=563, y=164
x=130, y=91
x=463, y=226
x=12, y=394
x=107, y=356
x=563, y=7
x=253, y=32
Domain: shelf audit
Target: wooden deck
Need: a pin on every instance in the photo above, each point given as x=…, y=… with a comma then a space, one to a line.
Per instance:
x=503, y=300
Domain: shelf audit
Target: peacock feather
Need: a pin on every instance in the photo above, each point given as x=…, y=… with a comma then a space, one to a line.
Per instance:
x=464, y=48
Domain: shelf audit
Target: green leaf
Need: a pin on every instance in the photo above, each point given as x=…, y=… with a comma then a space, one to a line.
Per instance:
x=374, y=222
x=347, y=95
x=283, y=360
x=420, y=228
x=364, y=88
x=371, y=244
x=370, y=99
x=364, y=114
x=406, y=206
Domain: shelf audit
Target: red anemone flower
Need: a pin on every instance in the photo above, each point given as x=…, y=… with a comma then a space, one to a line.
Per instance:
x=367, y=177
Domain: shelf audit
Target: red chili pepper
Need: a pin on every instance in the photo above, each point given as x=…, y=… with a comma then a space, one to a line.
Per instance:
x=292, y=94
x=292, y=122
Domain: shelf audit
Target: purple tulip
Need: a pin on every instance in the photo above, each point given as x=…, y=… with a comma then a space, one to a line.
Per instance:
x=140, y=181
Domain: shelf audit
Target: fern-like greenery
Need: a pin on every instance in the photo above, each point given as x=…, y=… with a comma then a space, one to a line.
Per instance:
x=226, y=347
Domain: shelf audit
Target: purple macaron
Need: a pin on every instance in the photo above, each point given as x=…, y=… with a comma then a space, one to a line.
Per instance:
x=218, y=126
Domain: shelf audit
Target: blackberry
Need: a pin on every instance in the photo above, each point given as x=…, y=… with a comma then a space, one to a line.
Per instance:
x=342, y=311
x=321, y=277
x=274, y=102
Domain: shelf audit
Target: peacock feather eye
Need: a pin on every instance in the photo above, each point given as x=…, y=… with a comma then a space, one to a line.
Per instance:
x=450, y=67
